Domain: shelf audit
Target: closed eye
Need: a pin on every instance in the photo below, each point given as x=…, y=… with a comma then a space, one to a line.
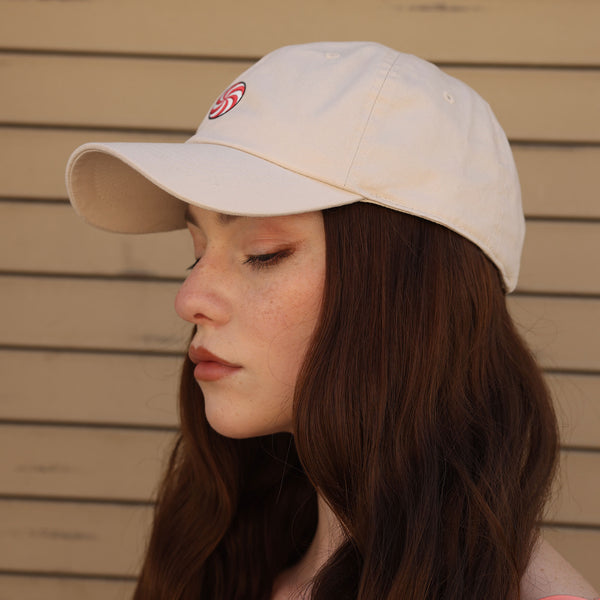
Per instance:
x=261, y=261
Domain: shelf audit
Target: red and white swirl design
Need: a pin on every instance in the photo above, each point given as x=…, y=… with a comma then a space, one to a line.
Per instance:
x=227, y=100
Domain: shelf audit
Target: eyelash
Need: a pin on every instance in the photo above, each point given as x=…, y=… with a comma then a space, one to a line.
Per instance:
x=263, y=261
x=194, y=264
x=258, y=261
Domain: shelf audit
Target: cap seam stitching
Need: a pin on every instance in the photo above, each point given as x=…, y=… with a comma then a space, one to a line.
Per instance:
x=362, y=135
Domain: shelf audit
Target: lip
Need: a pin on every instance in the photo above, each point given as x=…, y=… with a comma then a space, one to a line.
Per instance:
x=209, y=366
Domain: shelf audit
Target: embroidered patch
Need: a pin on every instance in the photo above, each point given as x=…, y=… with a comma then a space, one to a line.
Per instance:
x=227, y=100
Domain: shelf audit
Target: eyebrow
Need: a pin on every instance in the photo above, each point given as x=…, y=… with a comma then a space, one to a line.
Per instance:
x=224, y=219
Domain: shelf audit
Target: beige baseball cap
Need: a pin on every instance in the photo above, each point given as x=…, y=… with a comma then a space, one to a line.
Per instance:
x=314, y=126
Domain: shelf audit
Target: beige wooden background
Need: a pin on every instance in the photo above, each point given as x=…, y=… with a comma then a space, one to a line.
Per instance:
x=89, y=342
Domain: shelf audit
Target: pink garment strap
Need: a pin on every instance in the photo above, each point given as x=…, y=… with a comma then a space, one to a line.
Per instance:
x=563, y=598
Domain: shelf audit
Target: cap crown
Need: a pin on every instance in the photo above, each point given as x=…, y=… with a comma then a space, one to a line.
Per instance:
x=387, y=126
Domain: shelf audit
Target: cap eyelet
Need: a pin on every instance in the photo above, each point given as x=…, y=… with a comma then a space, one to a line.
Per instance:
x=448, y=97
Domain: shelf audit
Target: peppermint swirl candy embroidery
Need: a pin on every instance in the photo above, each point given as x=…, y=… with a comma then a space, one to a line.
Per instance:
x=227, y=100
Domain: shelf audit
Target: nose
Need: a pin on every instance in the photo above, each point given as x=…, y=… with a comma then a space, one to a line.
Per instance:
x=201, y=299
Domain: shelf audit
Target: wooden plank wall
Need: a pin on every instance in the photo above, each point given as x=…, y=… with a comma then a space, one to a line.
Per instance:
x=89, y=343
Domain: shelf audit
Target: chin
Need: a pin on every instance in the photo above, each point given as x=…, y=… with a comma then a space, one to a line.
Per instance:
x=243, y=428
x=244, y=417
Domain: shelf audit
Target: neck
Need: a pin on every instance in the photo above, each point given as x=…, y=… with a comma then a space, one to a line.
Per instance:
x=328, y=537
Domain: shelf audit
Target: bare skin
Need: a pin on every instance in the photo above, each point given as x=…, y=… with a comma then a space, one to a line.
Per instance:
x=548, y=573
x=294, y=583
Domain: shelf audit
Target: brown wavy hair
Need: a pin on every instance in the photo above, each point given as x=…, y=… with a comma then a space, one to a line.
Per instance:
x=420, y=416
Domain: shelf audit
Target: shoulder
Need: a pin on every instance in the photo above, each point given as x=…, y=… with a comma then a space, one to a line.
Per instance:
x=563, y=597
x=550, y=577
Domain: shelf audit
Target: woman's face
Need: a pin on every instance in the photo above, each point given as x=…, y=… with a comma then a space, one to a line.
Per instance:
x=254, y=294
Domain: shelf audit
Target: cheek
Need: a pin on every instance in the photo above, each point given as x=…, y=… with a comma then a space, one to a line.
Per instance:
x=285, y=325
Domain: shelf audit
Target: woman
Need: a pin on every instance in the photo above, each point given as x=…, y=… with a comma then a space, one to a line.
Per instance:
x=359, y=418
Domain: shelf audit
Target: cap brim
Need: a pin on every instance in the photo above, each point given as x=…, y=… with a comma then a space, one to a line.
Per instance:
x=144, y=187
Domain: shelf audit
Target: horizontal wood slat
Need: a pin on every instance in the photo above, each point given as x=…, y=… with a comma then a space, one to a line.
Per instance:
x=14, y=587
x=563, y=333
x=81, y=462
x=96, y=314
x=50, y=238
x=101, y=539
x=577, y=402
x=143, y=93
x=67, y=387
x=71, y=537
x=559, y=181
x=112, y=464
x=577, y=489
x=139, y=316
x=531, y=31
x=141, y=390
x=561, y=257
x=540, y=105
x=33, y=161
x=175, y=94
